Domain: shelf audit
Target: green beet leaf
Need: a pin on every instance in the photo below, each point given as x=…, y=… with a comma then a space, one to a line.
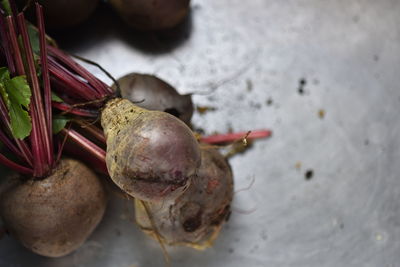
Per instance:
x=34, y=39
x=16, y=95
x=59, y=123
x=19, y=94
x=55, y=98
x=6, y=6
x=19, y=90
x=4, y=74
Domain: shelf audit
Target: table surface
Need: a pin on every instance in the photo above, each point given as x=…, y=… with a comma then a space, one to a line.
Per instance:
x=324, y=75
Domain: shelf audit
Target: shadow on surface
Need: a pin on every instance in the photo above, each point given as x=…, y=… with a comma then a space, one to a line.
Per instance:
x=105, y=23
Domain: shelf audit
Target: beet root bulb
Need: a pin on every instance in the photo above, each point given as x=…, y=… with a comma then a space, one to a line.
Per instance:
x=60, y=14
x=150, y=92
x=55, y=215
x=152, y=15
x=151, y=155
x=195, y=218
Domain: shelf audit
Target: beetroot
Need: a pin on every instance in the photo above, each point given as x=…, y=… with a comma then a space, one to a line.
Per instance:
x=150, y=92
x=55, y=204
x=151, y=15
x=61, y=14
x=151, y=155
x=196, y=217
x=54, y=216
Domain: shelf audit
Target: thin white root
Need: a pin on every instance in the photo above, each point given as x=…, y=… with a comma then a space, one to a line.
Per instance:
x=157, y=234
x=245, y=212
x=253, y=179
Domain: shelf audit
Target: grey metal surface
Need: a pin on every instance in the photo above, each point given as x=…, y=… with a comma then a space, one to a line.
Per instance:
x=348, y=52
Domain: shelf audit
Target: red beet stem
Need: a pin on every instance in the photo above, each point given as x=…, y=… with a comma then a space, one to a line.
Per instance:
x=73, y=85
x=232, y=137
x=16, y=167
x=9, y=144
x=35, y=136
x=46, y=80
x=15, y=64
x=98, y=86
x=76, y=111
x=93, y=130
x=86, y=144
x=6, y=45
x=40, y=131
x=14, y=46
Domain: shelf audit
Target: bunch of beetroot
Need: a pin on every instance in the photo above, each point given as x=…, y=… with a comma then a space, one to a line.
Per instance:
x=52, y=204
x=51, y=106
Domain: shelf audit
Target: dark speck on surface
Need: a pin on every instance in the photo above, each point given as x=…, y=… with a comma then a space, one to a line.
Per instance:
x=249, y=85
x=211, y=98
x=309, y=174
x=366, y=142
x=255, y=105
x=269, y=101
x=254, y=249
x=264, y=235
x=117, y=232
x=231, y=250
x=302, y=83
x=376, y=58
x=341, y=225
x=240, y=97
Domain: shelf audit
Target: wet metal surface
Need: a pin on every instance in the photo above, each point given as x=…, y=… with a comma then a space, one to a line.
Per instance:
x=324, y=75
